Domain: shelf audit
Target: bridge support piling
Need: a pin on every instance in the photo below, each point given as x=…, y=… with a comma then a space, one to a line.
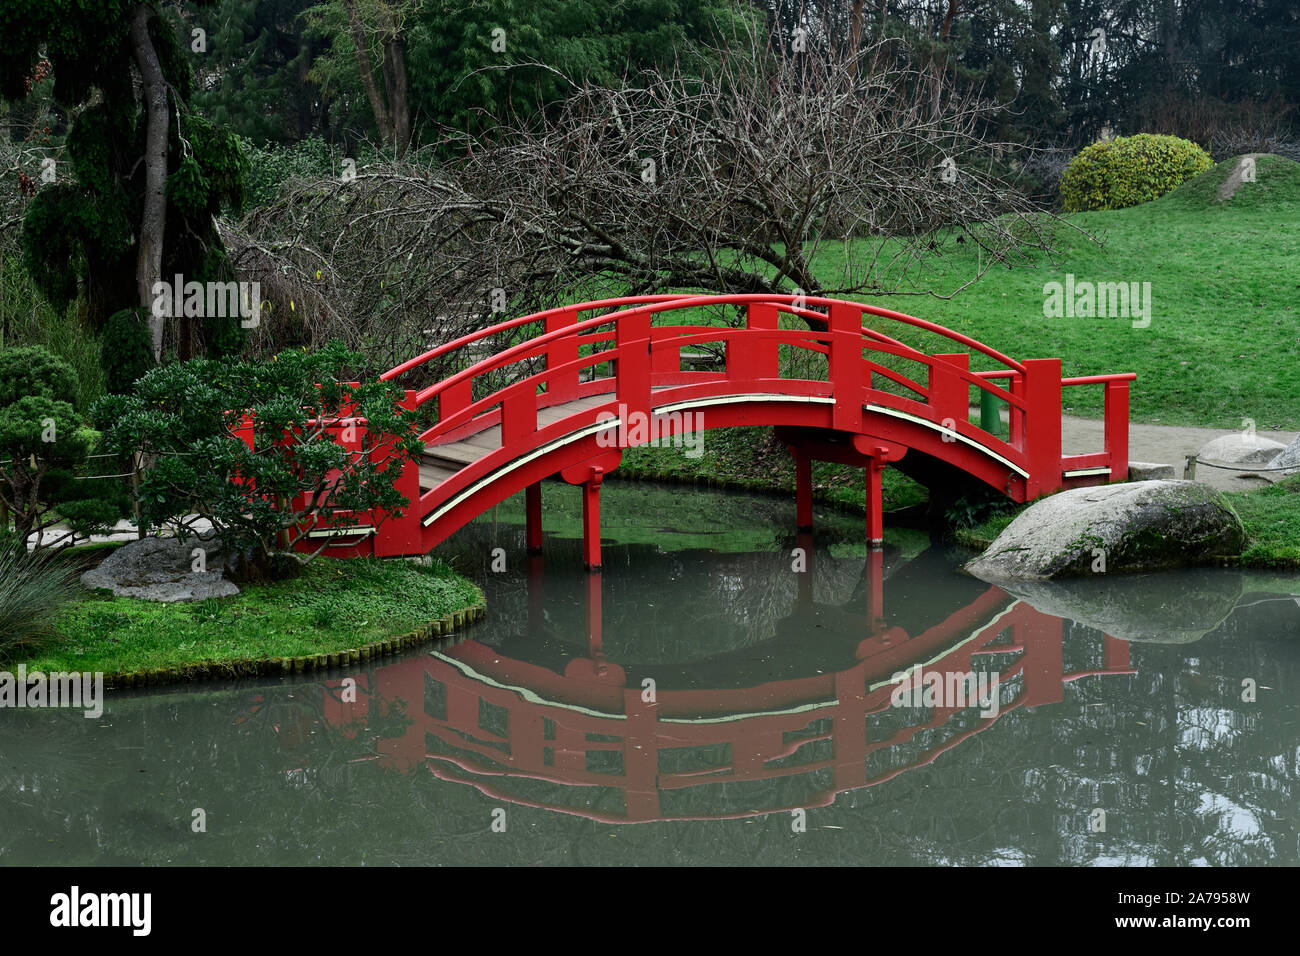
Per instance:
x=533, y=517
x=591, y=519
x=595, y=622
x=803, y=491
x=875, y=572
x=536, y=594
x=875, y=504
x=804, y=595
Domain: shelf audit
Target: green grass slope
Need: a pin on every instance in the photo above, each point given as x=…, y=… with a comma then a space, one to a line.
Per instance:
x=1223, y=343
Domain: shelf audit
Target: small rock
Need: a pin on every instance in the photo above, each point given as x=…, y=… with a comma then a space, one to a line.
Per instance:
x=1240, y=448
x=1289, y=459
x=1148, y=471
x=161, y=569
x=1138, y=526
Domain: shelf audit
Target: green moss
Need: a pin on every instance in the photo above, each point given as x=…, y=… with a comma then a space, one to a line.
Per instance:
x=335, y=605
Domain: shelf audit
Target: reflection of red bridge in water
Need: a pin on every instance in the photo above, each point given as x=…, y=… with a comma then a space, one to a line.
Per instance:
x=839, y=391
x=515, y=730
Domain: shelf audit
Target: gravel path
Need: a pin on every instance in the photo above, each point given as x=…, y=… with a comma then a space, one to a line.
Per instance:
x=1165, y=445
x=1160, y=444
x=1170, y=445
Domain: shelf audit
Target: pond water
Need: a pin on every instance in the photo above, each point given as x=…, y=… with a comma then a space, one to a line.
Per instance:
x=725, y=692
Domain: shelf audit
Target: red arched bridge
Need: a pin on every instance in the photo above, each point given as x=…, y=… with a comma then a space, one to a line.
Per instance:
x=568, y=400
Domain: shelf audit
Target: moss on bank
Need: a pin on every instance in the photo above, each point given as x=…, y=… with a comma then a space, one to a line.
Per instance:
x=335, y=611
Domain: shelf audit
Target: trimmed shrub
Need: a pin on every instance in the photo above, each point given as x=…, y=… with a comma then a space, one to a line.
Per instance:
x=43, y=445
x=189, y=422
x=1129, y=170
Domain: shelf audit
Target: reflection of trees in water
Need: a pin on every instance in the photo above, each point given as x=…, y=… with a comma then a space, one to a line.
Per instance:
x=1185, y=769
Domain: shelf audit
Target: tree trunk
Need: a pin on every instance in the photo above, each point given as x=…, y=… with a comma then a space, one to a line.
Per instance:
x=947, y=21
x=941, y=60
x=382, y=118
x=396, y=84
x=855, y=33
x=153, y=222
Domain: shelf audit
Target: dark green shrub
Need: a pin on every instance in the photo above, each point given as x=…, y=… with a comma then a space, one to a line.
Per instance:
x=1129, y=170
x=126, y=351
x=185, y=419
x=43, y=444
x=31, y=371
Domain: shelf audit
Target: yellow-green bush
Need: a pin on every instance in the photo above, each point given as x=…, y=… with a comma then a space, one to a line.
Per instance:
x=1129, y=170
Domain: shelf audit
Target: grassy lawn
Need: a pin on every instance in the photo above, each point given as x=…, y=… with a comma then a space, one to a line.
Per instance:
x=334, y=605
x=1224, y=338
x=1272, y=519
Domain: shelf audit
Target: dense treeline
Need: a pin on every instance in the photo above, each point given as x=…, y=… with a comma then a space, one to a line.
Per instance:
x=284, y=70
x=132, y=135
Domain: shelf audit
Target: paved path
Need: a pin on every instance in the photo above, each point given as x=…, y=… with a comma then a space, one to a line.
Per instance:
x=1170, y=445
x=1164, y=445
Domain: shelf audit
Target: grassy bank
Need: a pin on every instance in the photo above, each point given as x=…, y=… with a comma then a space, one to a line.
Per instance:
x=334, y=606
x=1222, y=344
x=1271, y=517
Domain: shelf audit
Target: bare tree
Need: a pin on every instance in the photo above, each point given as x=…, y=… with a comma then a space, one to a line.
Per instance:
x=822, y=172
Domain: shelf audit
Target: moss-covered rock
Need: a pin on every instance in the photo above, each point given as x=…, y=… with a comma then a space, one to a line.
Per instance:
x=1114, y=529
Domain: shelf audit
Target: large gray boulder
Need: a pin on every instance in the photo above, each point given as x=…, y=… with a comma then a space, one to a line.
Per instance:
x=1165, y=607
x=1240, y=448
x=162, y=569
x=1113, y=529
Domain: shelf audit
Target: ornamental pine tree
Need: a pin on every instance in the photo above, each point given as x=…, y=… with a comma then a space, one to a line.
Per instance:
x=134, y=198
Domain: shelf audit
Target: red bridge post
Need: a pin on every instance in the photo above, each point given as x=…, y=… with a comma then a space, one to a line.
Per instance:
x=563, y=386
x=1042, y=426
x=846, y=372
x=802, y=490
x=753, y=356
x=533, y=517
x=949, y=392
x=591, y=519
x=398, y=535
x=1117, y=429
x=875, y=504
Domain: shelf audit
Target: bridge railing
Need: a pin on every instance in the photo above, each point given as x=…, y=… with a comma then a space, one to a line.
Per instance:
x=750, y=358
x=1114, y=456
x=859, y=366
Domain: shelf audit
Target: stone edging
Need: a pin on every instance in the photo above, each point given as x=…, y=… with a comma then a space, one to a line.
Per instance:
x=445, y=626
